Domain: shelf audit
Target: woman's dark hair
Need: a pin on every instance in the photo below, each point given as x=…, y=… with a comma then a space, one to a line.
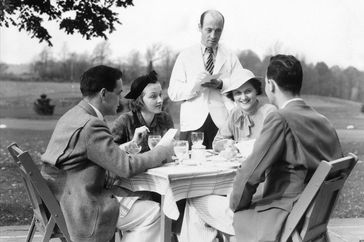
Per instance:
x=257, y=85
x=137, y=104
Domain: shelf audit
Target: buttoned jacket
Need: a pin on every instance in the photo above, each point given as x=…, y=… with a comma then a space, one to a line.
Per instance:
x=197, y=101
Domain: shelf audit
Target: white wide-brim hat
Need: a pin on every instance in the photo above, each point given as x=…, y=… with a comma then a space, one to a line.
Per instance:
x=239, y=78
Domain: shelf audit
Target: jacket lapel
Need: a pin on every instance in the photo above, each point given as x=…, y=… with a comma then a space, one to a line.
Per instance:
x=197, y=57
x=220, y=59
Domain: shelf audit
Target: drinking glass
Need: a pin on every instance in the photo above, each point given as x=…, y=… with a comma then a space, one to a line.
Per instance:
x=134, y=148
x=181, y=150
x=153, y=140
x=197, y=138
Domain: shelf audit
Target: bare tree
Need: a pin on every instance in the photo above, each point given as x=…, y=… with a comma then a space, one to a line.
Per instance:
x=41, y=65
x=168, y=58
x=153, y=53
x=101, y=53
x=3, y=68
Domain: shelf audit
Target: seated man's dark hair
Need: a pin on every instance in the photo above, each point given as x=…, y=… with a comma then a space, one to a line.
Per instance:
x=286, y=71
x=98, y=77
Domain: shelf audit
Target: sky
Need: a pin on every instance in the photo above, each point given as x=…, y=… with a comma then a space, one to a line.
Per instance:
x=316, y=30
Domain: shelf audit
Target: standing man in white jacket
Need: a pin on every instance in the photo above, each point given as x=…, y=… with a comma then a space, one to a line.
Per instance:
x=198, y=79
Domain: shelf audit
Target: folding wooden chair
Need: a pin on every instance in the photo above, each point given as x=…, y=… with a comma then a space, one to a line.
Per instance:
x=311, y=213
x=48, y=217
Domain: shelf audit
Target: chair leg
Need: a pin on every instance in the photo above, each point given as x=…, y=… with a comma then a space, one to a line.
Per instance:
x=296, y=236
x=118, y=231
x=49, y=229
x=327, y=238
x=31, y=231
x=226, y=237
x=120, y=234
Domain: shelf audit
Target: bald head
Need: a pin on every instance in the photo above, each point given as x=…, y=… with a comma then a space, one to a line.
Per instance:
x=211, y=26
x=214, y=13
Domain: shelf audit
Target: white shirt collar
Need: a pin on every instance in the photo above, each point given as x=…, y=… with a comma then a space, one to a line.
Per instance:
x=289, y=101
x=98, y=113
x=203, y=49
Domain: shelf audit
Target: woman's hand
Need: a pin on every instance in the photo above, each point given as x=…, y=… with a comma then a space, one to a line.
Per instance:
x=140, y=133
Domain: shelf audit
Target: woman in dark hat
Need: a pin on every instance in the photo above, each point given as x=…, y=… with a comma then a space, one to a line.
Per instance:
x=146, y=115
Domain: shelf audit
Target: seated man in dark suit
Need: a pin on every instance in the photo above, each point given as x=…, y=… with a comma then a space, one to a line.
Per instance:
x=294, y=140
x=82, y=151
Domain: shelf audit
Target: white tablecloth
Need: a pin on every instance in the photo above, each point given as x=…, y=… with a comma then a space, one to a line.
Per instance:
x=176, y=182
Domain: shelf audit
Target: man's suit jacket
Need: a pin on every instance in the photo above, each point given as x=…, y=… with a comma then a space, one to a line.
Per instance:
x=198, y=102
x=80, y=151
x=292, y=143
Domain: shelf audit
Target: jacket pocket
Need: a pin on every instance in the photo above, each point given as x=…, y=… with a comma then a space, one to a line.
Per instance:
x=284, y=205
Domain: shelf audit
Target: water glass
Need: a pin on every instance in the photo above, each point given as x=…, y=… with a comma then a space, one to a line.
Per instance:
x=153, y=140
x=134, y=148
x=181, y=150
x=197, y=138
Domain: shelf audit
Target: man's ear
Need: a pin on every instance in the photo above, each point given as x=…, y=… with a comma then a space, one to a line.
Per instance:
x=271, y=85
x=199, y=27
x=102, y=93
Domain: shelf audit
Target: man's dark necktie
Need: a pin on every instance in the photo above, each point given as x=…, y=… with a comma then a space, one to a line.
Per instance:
x=210, y=60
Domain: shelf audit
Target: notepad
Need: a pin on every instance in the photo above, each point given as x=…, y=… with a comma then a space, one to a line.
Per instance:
x=208, y=78
x=245, y=147
x=168, y=137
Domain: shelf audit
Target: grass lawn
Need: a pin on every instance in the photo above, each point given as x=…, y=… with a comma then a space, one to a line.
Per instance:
x=15, y=208
x=16, y=102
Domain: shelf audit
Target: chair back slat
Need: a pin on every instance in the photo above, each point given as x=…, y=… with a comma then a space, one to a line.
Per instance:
x=43, y=201
x=34, y=198
x=311, y=213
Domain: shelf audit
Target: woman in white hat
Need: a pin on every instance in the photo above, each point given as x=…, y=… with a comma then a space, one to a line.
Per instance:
x=246, y=119
x=208, y=216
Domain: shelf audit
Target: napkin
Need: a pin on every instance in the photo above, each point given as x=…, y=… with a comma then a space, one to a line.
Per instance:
x=245, y=147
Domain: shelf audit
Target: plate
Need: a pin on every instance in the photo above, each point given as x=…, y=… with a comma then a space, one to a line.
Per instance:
x=216, y=158
x=191, y=163
x=226, y=164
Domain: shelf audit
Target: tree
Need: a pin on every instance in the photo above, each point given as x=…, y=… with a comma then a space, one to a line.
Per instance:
x=91, y=18
x=251, y=61
x=353, y=82
x=3, y=67
x=134, y=67
x=152, y=54
x=166, y=63
x=310, y=79
x=324, y=79
x=101, y=53
x=42, y=64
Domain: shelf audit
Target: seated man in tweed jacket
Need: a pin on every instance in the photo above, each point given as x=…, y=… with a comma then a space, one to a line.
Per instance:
x=80, y=153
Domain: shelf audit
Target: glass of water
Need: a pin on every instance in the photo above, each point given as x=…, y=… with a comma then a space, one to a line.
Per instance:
x=153, y=140
x=134, y=148
x=197, y=138
x=181, y=150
